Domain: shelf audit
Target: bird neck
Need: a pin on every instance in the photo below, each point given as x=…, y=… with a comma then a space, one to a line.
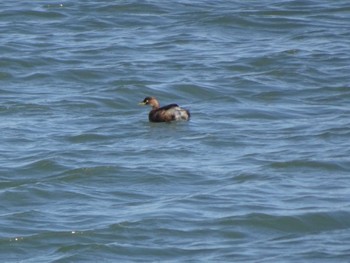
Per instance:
x=155, y=105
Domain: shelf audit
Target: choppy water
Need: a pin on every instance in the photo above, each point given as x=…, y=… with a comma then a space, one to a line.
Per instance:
x=260, y=174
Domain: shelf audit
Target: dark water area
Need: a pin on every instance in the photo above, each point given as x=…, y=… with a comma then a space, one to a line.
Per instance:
x=260, y=173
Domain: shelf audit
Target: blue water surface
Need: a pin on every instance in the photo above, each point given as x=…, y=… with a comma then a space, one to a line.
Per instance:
x=260, y=173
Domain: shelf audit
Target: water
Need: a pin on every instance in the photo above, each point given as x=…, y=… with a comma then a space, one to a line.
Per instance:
x=259, y=174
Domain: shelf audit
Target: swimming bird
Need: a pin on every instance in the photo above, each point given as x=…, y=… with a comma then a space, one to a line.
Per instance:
x=171, y=112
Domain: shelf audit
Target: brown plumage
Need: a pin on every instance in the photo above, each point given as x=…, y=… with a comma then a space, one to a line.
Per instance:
x=171, y=112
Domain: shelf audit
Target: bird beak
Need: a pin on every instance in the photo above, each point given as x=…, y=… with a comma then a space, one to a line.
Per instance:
x=142, y=103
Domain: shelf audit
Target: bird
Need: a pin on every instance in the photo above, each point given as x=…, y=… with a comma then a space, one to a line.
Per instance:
x=168, y=113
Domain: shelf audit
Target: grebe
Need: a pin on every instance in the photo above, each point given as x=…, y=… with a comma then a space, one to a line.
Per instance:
x=171, y=112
